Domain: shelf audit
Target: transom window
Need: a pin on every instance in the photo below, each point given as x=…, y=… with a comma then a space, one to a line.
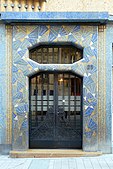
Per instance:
x=54, y=54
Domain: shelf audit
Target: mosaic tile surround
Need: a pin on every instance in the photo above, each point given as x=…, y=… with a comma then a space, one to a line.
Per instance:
x=28, y=36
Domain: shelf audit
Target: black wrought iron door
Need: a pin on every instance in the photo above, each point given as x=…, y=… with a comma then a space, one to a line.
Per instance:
x=55, y=117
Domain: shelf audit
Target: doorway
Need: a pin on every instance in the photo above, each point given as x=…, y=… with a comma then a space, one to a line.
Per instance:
x=55, y=117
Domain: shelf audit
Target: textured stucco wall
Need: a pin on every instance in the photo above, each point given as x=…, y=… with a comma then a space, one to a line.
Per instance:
x=57, y=5
x=82, y=5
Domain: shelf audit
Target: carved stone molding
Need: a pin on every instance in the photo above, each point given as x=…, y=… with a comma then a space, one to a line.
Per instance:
x=23, y=6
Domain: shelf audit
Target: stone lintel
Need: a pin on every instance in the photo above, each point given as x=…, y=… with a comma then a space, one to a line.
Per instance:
x=49, y=17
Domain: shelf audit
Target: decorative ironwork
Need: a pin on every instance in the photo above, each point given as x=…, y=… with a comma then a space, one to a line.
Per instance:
x=55, y=111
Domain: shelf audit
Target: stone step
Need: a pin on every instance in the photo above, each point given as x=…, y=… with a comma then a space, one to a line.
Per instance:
x=52, y=153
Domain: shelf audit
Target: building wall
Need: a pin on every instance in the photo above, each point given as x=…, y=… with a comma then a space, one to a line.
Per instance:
x=3, y=84
x=5, y=88
x=57, y=5
x=112, y=106
x=82, y=5
x=109, y=44
x=97, y=44
x=97, y=125
x=5, y=106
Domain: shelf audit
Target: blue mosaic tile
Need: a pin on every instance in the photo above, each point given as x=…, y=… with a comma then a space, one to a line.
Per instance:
x=32, y=41
x=22, y=52
x=21, y=62
x=86, y=58
x=14, y=78
x=16, y=44
x=19, y=86
x=94, y=37
x=88, y=134
x=87, y=80
x=95, y=52
x=76, y=29
x=19, y=95
x=62, y=31
x=71, y=38
x=24, y=125
x=21, y=109
x=33, y=64
x=42, y=30
x=25, y=44
x=89, y=111
x=89, y=51
x=53, y=35
x=92, y=125
x=14, y=69
x=33, y=34
x=14, y=115
x=23, y=67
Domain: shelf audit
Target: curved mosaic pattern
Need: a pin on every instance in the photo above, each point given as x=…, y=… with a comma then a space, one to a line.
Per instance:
x=27, y=36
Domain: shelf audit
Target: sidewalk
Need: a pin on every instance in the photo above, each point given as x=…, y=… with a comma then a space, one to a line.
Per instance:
x=100, y=162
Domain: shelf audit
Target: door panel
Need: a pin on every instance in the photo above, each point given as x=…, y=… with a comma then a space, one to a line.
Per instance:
x=55, y=111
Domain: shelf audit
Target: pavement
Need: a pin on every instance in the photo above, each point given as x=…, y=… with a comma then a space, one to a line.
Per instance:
x=99, y=162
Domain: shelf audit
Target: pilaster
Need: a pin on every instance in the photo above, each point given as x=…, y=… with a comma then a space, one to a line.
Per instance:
x=9, y=84
x=102, y=87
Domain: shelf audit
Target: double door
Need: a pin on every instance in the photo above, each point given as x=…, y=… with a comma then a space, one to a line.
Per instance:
x=55, y=117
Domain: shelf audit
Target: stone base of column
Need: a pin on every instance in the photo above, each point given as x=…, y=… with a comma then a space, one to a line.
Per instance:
x=5, y=149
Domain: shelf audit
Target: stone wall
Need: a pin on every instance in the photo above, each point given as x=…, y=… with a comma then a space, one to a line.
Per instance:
x=5, y=88
x=5, y=106
x=3, y=85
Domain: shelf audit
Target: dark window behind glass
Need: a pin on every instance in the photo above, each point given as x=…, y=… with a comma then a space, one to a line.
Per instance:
x=56, y=54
